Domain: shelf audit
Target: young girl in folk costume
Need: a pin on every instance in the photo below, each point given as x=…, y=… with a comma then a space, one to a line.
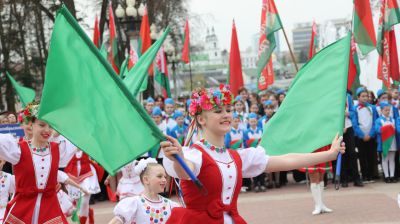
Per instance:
x=36, y=164
x=149, y=207
x=129, y=184
x=66, y=202
x=220, y=169
x=180, y=130
x=386, y=131
x=239, y=109
x=234, y=138
x=7, y=187
x=82, y=171
x=251, y=138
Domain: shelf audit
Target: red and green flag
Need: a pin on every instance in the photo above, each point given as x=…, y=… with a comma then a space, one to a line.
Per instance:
x=26, y=95
x=129, y=62
x=186, y=44
x=236, y=144
x=363, y=26
x=235, y=74
x=97, y=128
x=387, y=135
x=96, y=33
x=270, y=23
x=300, y=112
x=113, y=48
x=313, y=41
x=161, y=74
x=253, y=142
x=389, y=16
x=354, y=67
x=144, y=43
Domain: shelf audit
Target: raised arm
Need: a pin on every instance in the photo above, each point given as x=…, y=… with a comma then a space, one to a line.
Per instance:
x=9, y=149
x=170, y=148
x=295, y=161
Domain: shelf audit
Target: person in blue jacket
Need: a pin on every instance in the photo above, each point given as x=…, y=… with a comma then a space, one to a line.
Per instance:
x=363, y=125
x=269, y=111
x=234, y=138
x=180, y=130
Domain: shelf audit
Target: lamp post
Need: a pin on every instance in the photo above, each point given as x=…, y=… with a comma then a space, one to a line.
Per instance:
x=173, y=59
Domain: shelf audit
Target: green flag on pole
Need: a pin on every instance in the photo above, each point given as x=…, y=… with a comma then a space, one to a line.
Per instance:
x=26, y=95
x=139, y=73
x=313, y=110
x=85, y=100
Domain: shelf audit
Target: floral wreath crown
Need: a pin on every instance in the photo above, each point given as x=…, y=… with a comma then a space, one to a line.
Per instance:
x=29, y=112
x=208, y=99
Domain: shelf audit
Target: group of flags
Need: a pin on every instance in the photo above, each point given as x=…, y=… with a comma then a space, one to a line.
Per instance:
x=113, y=128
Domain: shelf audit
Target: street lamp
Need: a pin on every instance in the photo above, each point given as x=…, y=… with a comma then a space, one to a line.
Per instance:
x=174, y=60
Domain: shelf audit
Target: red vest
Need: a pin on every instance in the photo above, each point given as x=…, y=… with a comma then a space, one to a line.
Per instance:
x=208, y=208
x=20, y=209
x=72, y=168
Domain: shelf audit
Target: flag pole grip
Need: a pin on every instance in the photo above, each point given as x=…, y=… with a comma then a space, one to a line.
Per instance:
x=189, y=172
x=338, y=171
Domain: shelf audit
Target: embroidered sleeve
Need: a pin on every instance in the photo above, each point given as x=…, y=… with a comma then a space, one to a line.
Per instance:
x=67, y=151
x=191, y=155
x=254, y=161
x=126, y=209
x=9, y=149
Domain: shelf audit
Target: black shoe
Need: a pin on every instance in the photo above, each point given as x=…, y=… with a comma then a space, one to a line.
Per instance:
x=345, y=184
x=387, y=180
x=91, y=201
x=358, y=183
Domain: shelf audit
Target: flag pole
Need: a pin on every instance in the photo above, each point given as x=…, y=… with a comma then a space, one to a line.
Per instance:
x=290, y=49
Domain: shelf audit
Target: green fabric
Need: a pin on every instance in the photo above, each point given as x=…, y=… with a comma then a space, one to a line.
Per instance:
x=273, y=24
x=85, y=100
x=392, y=17
x=124, y=68
x=162, y=80
x=103, y=51
x=386, y=146
x=313, y=110
x=136, y=79
x=26, y=95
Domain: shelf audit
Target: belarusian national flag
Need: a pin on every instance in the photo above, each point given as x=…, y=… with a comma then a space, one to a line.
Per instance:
x=236, y=144
x=26, y=95
x=139, y=73
x=389, y=16
x=363, y=26
x=161, y=74
x=186, y=44
x=113, y=48
x=269, y=25
x=129, y=62
x=108, y=122
x=299, y=125
x=387, y=135
x=394, y=58
x=354, y=66
x=235, y=75
x=144, y=41
x=267, y=77
x=96, y=33
x=313, y=41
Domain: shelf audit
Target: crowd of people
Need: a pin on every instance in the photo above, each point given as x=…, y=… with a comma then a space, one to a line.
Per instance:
x=229, y=129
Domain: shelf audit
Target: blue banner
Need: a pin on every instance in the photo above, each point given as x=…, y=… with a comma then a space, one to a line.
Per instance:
x=14, y=129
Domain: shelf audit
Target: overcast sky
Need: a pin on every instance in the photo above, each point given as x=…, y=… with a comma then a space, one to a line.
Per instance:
x=247, y=15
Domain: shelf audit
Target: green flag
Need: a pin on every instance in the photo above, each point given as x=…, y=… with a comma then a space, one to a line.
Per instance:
x=26, y=95
x=139, y=73
x=85, y=100
x=313, y=110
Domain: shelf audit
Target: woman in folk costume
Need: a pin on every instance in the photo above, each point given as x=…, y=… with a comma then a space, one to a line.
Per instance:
x=385, y=128
x=36, y=164
x=82, y=171
x=220, y=169
x=148, y=207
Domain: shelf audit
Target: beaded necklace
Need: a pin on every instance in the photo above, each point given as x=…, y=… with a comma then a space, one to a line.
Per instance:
x=155, y=215
x=212, y=147
x=35, y=149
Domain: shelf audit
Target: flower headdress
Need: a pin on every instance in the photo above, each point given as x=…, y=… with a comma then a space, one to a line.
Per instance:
x=29, y=112
x=207, y=99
